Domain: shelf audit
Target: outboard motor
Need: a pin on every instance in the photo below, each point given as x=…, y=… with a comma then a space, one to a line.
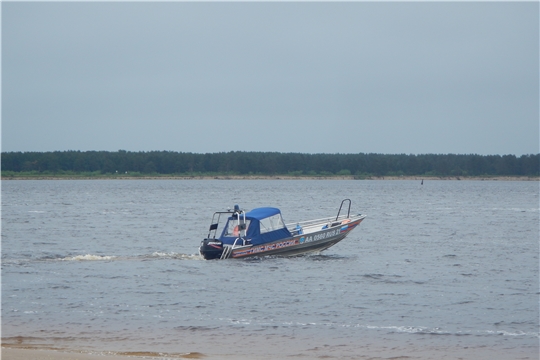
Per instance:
x=211, y=249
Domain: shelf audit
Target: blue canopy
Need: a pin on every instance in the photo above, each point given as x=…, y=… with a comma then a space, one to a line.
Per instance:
x=263, y=225
x=262, y=213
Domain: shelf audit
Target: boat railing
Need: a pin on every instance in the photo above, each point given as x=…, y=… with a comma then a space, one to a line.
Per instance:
x=309, y=226
x=315, y=225
x=216, y=219
x=348, y=210
x=241, y=244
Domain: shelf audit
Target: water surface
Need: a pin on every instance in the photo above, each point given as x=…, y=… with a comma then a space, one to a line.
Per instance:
x=448, y=269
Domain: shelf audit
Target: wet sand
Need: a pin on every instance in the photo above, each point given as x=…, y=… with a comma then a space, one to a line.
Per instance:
x=36, y=354
x=411, y=353
x=28, y=354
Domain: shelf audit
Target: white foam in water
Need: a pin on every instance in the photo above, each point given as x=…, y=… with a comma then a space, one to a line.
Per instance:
x=88, y=257
x=438, y=331
x=515, y=333
x=173, y=255
x=163, y=254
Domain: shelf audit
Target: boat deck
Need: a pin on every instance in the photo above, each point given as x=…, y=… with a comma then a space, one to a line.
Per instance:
x=311, y=226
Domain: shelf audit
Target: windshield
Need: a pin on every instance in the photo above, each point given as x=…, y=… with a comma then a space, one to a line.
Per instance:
x=272, y=223
x=232, y=228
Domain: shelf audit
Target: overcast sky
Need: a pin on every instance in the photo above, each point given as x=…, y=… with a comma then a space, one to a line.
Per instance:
x=349, y=77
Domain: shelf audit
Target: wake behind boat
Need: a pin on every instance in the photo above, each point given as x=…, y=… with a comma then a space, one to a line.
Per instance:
x=262, y=232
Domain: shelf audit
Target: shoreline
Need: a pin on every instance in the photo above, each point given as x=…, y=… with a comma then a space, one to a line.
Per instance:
x=370, y=351
x=18, y=353
x=278, y=177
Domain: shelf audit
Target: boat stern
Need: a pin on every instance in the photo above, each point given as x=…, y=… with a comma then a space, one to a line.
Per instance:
x=211, y=249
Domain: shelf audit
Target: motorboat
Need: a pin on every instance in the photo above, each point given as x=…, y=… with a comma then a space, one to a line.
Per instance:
x=237, y=234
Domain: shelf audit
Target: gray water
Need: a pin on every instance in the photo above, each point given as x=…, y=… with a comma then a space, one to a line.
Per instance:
x=448, y=269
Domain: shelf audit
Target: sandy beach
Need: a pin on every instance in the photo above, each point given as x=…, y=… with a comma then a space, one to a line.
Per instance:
x=412, y=353
x=48, y=354
x=31, y=354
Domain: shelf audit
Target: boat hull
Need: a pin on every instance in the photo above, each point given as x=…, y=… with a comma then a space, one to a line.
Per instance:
x=296, y=245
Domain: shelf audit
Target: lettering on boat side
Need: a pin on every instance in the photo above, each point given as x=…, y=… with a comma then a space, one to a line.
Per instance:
x=263, y=248
x=320, y=236
x=301, y=240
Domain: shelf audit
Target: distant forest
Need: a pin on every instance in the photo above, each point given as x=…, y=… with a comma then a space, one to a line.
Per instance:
x=265, y=163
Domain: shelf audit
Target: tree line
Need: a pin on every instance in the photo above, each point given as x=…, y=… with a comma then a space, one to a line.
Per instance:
x=268, y=163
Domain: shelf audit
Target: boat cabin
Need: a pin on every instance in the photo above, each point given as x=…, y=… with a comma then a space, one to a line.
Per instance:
x=258, y=226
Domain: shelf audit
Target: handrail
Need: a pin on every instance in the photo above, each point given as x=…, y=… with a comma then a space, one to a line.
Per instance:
x=348, y=212
x=330, y=221
x=215, y=223
x=314, y=221
x=239, y=222
x=234, y=244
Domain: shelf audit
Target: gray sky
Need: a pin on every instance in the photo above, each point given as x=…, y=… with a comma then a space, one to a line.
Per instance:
x=347, y=77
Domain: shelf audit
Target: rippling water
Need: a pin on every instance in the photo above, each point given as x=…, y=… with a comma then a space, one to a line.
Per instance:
x=448, y=269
